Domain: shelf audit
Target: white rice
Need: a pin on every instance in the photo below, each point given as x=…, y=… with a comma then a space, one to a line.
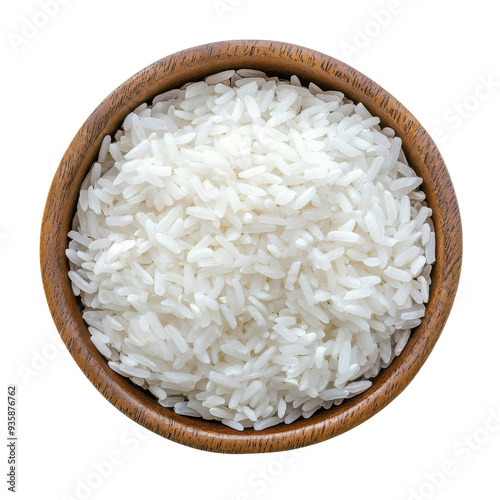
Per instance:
x=250, y=250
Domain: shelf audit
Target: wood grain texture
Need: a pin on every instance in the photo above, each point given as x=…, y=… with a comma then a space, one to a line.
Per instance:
x=277, y=59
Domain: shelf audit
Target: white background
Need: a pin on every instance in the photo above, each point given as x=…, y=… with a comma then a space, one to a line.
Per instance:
x=434, y=57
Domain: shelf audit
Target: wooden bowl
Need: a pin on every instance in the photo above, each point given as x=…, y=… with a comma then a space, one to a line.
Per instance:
x=277, y=59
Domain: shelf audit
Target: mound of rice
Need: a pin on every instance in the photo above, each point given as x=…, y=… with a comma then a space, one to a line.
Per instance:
x=251, y=250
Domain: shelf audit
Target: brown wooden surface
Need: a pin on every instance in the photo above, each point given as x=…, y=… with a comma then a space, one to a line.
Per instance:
x=277, y=59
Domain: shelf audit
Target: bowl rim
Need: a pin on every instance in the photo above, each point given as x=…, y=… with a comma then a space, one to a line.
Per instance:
x=286, y=59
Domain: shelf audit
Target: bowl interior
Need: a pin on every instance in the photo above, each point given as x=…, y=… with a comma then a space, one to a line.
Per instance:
x=276, y=59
